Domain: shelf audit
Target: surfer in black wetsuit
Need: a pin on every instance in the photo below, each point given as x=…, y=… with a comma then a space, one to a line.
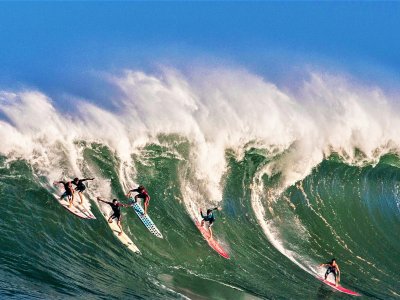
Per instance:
x=80, y=186
x=333, y=267
x=69, y=191
x=143, y=194
x=210, y=218
x=116, y=207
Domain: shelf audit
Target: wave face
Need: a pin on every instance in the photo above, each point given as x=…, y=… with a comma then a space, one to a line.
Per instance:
x=303, y=175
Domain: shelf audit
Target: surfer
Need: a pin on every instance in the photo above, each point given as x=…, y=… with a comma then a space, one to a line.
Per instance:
x=116, y=207
x=333, y=267
x=210, y=218
x=80, y=186
x=69, y=191
x=143, y=194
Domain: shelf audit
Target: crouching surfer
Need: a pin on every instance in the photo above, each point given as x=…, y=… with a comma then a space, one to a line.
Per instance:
x=210, y=218
x=116, y=207
x=333, y=267
x=143, y=194
x=69, y=191
x=80, y=186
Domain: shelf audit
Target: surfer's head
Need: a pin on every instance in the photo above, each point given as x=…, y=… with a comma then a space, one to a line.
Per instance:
x=76, y=179
x=140, y=188
x=333, y=261
x=209, y=211
x=115, y=201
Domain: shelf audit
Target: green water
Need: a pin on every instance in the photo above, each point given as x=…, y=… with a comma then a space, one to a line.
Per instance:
x=350, y=213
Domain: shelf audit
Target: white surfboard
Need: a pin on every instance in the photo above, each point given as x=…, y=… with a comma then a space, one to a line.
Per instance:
x=123, y=238
x=79, y=210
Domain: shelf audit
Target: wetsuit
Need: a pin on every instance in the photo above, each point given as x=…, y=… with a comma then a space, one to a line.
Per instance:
x=142, y=193
x=331, y=269
x=116, y=210
x=80, y=186
x=209, y=217
x=68, y=189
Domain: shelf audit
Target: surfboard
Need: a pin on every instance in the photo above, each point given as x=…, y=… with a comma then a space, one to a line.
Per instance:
x=338, y=288
x=146, y=220
x=76, y=209
x=84, y=207
x=123, y=238
x=212, y=242
x=80, y=210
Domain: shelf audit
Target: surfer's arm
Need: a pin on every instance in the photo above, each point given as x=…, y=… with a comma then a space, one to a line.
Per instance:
x=86, y=179
x=101, y=200
x=130, y=192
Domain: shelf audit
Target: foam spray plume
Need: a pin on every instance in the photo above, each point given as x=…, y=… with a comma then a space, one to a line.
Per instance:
x=218, y=137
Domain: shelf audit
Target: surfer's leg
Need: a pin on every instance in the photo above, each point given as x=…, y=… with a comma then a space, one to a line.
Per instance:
x=119, y=224
x=336, y=278
x=71, y=200
x=80, y=196
x=210, y=230
x=146, y=204
x=110, y=218
x=326, y=274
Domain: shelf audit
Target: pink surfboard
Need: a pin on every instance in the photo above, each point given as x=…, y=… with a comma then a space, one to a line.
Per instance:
x=213, y=243
x=338, y=288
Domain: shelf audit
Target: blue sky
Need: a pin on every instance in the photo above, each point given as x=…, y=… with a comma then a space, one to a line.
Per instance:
x=54, y=44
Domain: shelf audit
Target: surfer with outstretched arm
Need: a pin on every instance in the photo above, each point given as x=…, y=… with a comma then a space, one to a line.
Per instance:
x=143, y=194
x=80, y=186
x=210, y=218
x=69, y=191
x=116, y=207
x=333, y=267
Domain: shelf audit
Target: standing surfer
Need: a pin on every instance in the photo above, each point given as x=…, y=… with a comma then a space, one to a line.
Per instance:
x=143, y=194
x=116, y=207
x=210, y=218
x=69, y=191
x=333, y=267
x=80, y=186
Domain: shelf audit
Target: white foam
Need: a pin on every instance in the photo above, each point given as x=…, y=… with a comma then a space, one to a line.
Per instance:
x=215, y=110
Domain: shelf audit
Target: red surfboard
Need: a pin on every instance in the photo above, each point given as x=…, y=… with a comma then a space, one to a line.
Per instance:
x=213, y=243
x=339, y=288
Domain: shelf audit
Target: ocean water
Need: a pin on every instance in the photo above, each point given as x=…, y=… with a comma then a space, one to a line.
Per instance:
x=303, y=175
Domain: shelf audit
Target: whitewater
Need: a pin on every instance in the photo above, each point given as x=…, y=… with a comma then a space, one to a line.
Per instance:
x=303, y=172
